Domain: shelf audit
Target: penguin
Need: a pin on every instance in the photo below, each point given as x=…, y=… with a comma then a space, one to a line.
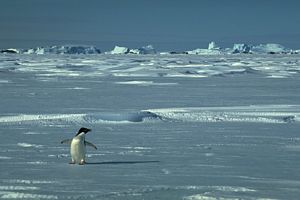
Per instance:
x=78, y=146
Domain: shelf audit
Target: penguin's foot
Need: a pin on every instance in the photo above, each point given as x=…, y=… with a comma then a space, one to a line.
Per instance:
x=82, y=162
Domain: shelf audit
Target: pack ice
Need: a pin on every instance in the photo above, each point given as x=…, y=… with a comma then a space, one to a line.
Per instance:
x=168, y=126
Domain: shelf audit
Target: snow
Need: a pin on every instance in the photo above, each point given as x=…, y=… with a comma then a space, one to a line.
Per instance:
x=167, y=126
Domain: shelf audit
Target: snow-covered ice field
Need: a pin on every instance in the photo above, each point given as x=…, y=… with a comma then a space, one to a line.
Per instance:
x=185, y=127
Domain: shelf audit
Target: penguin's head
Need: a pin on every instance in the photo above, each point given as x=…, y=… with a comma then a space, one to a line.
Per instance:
x=83, y=130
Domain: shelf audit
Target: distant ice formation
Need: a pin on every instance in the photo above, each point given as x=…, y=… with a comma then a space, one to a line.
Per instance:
x=212, y=49
x=204, y=52
x=212, y=45
x=241, y=48
x=119, y=50
x=149, y=49
x=270, y=48
x=66, y=49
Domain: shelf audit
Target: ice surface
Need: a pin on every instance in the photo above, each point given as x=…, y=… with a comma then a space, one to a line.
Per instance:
x=166, y=126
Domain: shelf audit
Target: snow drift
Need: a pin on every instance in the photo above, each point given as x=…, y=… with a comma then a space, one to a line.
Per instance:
x=254, y=114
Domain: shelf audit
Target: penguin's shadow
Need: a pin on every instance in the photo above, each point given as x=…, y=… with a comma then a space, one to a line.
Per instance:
x=121, y=162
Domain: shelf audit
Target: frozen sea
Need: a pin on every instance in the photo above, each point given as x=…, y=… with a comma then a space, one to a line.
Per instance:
x=184, y=127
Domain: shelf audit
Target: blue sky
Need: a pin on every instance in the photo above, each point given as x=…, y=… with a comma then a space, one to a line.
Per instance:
x=167, y=24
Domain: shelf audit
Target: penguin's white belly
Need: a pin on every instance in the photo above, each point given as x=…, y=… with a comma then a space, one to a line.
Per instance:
x=77, y=150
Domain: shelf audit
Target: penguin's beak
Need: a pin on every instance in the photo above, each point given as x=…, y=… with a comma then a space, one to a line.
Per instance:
x=88, y=130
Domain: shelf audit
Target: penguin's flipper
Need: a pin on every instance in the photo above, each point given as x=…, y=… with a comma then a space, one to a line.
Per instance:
x=90, y=144
x=67, y=141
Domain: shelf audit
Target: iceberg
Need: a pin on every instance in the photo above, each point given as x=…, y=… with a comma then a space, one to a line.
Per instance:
x=149, y=49
x=134, y=51
x=241, y=48
x=124, y=50
x=66, y=49
x=270, y=48
x=119, y=50
x=212, y=49
x=212, y=45
x=204, y=52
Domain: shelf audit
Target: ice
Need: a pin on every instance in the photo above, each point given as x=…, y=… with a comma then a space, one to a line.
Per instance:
x=18, y=188
x=149, y=49
x=204, y=52
x=144, y=83
x=257, y=114
x=66, y=49
x=120, y=50
x=26, y=145
x=4, y=158
x=241, y=48
x=213, y=49
x=172, y=126
x=20, y=195
x=213, y=45
x=270, y=48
